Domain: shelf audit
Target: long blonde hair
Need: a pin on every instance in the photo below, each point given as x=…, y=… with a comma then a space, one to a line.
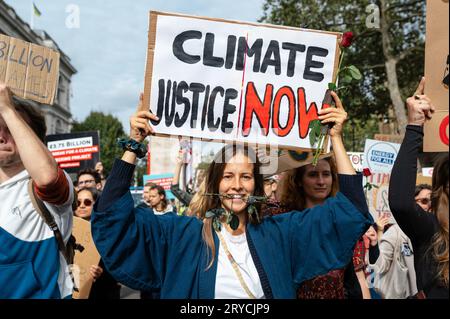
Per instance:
x=214, y=175
x=439, y=206
x=197, y=201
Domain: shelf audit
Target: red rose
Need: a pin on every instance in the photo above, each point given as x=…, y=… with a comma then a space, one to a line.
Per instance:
x=366, y=172
x=347, y=39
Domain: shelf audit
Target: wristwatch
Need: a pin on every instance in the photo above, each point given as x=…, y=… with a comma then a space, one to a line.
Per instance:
x=133, y=146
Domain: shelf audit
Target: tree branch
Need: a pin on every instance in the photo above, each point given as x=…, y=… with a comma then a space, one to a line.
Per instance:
x=375, y=66
x=409, y=51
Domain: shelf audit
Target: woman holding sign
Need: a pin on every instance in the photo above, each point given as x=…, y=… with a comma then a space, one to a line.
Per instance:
x=229, y=251
x=104, y=286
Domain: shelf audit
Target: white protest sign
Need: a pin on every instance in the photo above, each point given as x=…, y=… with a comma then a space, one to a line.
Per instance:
x=380, y=156
x=70, y=143
x=235, y=81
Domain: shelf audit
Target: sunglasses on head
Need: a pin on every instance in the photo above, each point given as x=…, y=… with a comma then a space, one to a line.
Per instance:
x=86, y=202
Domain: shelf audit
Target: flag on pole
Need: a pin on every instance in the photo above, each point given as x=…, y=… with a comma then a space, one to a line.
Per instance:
x=36, y=11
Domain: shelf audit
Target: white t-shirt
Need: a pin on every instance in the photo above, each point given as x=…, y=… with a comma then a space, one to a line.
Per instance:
x=19, y=219
x=228, y=285
x=169, y=209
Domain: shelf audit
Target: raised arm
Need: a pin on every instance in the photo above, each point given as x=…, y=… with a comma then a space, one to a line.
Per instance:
x=21, y=125
x=350, y=183
x=412, y=219
x=119, y=185
x=337, y=116
x=36, y=158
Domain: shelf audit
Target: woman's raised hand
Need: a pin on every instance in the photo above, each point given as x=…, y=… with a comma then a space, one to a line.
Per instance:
x=336, y=115
x=139, y=126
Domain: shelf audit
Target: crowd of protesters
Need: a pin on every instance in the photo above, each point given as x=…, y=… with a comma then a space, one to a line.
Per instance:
x=305, y=233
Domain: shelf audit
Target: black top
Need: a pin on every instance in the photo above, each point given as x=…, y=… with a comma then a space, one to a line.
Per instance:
x=105, y=287
x=417, y=224
x=119, y=182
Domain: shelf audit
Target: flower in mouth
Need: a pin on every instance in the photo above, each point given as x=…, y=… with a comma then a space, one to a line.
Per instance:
x=235, y=196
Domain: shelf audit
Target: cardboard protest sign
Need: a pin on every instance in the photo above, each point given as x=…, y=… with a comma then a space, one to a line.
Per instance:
x=436, y=132
x=84, y=259
x=235, y=81
x=380, y=156
x=29, y=70
x=274, y=161
x=164, y=180
x=436, y=74
x=423, y=179
x=75, y=151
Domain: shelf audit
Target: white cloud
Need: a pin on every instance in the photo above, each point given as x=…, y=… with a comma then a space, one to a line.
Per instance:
x=109, y=48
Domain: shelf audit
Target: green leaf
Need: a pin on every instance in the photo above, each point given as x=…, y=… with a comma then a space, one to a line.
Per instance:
x=234, y=224
x=229, y=216
x=216, y=224
x=251, y=210
x=332, y=86
x=354, y=72
x=315, y=127
x=313, y=123
x=346, y=79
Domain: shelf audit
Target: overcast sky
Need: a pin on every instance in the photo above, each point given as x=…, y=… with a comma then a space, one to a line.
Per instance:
x=109, y=47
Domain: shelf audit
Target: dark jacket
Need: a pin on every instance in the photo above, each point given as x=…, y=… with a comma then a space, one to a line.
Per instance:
x=417, y=224
x=147, y=252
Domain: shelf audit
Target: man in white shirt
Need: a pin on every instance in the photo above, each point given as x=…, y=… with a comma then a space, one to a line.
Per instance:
x=31, y=264
x=155, y=197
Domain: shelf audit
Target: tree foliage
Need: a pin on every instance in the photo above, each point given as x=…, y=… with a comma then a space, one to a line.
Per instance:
x=398, y=40
x=110, y=128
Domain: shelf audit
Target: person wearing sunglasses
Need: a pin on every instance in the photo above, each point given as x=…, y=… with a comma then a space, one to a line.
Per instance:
x=422, y=196
x=104, y=286
x=85, y=200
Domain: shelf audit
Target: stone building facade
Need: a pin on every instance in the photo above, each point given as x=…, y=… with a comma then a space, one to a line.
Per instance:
x=57, y=116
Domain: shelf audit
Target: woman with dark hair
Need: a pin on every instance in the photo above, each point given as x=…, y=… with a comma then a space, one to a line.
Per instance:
x=428, y=231
x=422, y=196
x=104, y=286
x=228, y=250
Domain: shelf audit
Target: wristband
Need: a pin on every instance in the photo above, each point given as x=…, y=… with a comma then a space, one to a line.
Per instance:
x=133, y=146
